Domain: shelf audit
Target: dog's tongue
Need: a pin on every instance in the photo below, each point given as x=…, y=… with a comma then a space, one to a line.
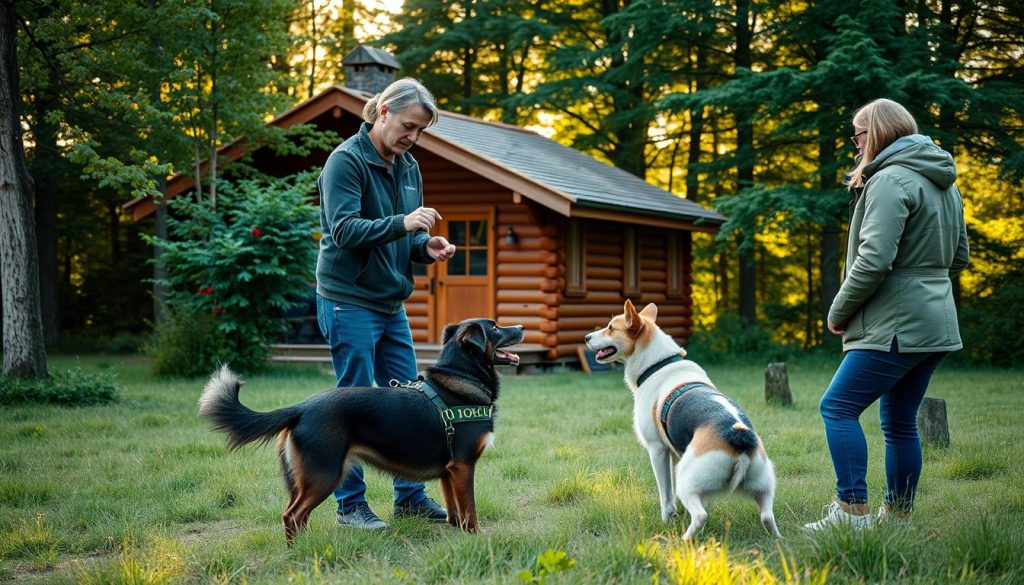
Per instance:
x=508, y=356
x=605, y=352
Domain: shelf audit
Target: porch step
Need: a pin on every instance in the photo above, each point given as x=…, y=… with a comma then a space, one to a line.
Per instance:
x=530, y=354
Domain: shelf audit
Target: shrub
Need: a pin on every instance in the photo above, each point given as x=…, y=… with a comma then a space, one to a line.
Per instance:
x=240, y=265
x=730, y=337
x=70, y=388
x=187, y=343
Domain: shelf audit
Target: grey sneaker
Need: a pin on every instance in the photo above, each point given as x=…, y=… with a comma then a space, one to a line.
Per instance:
x=834, y=516
x=425, y=508
x=361, y=516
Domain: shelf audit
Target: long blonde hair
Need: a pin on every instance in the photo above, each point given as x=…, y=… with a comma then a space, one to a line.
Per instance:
x=885, y=121
x=399, y=97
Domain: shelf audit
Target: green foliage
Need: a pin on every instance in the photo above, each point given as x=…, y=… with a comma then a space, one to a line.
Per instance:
x=550, y=562
x=730, y=338
x=187, y=343
x=990, y=332
x=241, y=265
x=66, y=388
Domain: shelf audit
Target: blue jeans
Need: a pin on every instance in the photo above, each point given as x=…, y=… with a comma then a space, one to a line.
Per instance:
x=368, y=346
x=899, y=380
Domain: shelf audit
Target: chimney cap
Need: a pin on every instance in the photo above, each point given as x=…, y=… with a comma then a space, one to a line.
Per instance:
x=367, y=55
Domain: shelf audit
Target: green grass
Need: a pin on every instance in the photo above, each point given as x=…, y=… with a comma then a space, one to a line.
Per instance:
x=140, y=491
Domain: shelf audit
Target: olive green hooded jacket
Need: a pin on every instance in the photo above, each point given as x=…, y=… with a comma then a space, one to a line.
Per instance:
x=907, y=238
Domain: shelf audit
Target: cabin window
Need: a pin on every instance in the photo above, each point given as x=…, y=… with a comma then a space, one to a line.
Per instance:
x=470, y=239
x=630, y=263
x=674, y=270
x=575, y=264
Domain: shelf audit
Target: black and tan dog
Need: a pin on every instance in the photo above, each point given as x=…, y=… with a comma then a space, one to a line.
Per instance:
x=438, y=431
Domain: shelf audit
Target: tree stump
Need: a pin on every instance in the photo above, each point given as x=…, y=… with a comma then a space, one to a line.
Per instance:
x=776, y=385
x=931, y=421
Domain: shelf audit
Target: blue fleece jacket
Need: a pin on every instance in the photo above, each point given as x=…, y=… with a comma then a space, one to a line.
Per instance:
x=365, y=253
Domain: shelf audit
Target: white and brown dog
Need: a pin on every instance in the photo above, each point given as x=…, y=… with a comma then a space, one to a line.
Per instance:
x=683, y=420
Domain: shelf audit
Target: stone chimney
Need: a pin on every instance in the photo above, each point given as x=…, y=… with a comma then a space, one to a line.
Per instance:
x=369, y=69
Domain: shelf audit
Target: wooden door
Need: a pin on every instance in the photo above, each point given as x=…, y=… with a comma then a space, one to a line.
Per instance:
x=464, y=286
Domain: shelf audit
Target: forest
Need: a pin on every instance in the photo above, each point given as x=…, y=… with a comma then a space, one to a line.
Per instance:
x=744, y=107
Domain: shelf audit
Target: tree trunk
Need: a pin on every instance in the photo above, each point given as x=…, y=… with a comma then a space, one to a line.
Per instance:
x=745, y=166
x=24, y=350
x=46, y=224
x=696, y=130
x=160, y=288
x=829, y=258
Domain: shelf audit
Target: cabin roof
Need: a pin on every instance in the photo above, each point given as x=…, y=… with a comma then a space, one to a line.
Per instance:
x=533, y=166
x=586, y=181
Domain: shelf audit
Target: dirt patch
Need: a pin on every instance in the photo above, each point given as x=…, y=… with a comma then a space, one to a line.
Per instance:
x=193, y=535
x=197, y=533
x=25, y=572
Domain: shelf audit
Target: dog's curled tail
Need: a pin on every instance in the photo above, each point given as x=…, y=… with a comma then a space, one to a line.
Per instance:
x=219, y=404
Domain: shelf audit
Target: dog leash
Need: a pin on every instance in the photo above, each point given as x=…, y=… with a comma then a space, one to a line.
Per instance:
x=450, y=415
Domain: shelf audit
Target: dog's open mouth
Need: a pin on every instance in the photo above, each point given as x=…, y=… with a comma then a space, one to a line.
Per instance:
x=605, y=353
x=502, y=358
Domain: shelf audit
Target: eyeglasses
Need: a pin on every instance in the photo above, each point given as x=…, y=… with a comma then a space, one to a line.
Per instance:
x=856, y=137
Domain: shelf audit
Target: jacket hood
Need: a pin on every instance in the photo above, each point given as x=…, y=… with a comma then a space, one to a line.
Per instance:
x=917, y=153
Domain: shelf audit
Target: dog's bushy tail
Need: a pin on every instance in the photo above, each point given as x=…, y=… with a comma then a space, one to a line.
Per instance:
x=744, y=440
x=219, y=404
x=741, y=437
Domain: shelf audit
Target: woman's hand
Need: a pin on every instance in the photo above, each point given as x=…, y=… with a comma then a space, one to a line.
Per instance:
x=837, y=329
x=439, y=249
x=421, y=218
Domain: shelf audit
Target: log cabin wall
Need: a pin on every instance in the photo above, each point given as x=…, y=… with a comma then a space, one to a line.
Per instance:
x=528, y=275
x=524, y=274
x=605, y=288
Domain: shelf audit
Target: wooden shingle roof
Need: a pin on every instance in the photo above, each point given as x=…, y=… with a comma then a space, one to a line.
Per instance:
x=585, y=181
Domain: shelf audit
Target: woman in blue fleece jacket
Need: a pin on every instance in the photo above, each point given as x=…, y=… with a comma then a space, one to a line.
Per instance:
x=374, y=225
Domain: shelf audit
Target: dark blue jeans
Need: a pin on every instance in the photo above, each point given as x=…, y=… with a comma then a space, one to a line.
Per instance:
x=366, y=347
x=899, y=381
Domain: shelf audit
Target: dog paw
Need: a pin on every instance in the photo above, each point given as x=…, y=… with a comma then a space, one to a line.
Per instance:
x=667, y=515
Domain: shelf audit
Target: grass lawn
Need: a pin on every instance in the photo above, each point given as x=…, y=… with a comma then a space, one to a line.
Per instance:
x=142, y=492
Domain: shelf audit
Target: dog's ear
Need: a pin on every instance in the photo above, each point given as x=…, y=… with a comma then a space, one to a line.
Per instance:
x=632, y=318
x=473, y=334
x=449, y=332
x=650, y=311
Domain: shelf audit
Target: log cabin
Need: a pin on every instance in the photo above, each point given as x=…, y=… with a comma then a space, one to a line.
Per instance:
x=547, y=236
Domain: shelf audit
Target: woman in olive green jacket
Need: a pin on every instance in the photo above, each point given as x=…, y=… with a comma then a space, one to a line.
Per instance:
x=895, y=308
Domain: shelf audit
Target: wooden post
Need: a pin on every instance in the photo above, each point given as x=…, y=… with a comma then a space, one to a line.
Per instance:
x=931, y=421
x=776, y=385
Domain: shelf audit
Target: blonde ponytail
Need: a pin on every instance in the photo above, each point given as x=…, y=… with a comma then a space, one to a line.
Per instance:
x=371, y=111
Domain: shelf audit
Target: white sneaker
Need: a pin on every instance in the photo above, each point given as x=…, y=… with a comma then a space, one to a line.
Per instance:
x=835, y=516
x=883, y=515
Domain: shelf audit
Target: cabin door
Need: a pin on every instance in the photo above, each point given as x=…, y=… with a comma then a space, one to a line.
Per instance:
x=464, y=286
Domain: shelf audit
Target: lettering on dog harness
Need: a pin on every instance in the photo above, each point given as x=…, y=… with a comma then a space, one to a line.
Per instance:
x=450, y=415
x=654, y=369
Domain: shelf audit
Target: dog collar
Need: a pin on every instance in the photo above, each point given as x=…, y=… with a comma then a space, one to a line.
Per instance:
x=450, y=415
x=653, y=369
